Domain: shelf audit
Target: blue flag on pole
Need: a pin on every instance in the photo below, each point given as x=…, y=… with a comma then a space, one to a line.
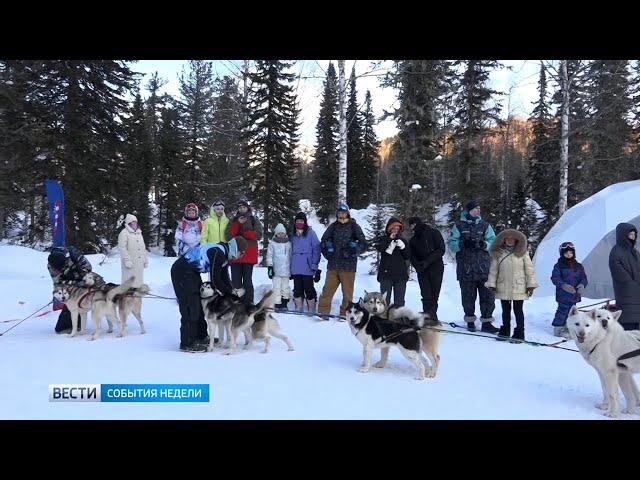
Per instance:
x=55, y=199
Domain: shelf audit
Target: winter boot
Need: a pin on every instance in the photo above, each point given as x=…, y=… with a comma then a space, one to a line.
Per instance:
x=562, y=331
x=487, y=326
x=503, y=333
x=298, y=303
x=194, y=348
x=471, y=325
x=284, y=305
x=518, y=334
x=311, y=305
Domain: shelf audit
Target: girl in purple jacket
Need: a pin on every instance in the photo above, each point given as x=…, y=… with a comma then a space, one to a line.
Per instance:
x=305, y=257
x=570, y=280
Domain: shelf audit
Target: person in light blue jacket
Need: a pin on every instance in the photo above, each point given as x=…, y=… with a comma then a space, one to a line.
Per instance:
x=185, y=277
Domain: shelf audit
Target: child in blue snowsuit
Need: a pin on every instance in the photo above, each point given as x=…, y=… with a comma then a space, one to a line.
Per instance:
x=570, y=280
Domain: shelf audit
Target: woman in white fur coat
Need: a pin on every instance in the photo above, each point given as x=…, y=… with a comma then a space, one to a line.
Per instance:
x=132, y=251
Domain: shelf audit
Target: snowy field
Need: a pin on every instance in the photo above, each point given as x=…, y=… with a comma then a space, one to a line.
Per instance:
x=479, y=378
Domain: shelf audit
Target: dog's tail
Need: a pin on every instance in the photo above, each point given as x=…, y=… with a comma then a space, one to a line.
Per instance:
x=144, y=288
x=266, y=302
x=427, y=321
x=120, y=289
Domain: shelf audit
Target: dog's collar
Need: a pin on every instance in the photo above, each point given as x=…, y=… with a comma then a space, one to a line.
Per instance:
x=594, y=348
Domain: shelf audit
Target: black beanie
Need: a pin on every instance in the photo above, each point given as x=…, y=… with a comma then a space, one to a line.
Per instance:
x=471, y=205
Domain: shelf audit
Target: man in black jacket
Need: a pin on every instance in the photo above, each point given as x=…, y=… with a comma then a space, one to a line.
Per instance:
x=427, y=249
x=624, y=264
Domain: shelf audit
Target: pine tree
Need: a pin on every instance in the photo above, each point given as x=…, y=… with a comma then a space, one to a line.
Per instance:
x=153, y=118
x=326, y=156
x=416, y=159
x=358, y=179
x=271, y=140
x=376, y=223
x=137, y=168
x=474, y=178
x=578, y=136
x=226, y=143
x=25, y=150
x=610, y=133
x=171, y=178
x=544, y=152
x=196, y=108
x=78, y=105
x=370, y=146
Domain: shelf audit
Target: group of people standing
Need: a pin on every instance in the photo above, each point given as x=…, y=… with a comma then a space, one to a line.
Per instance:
x=219, y=244
x=487, y=266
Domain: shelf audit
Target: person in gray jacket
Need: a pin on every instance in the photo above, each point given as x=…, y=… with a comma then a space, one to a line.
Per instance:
x=624, y=264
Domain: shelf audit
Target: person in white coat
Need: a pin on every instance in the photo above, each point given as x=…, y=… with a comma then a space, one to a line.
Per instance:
x=132, y=251
x=279, y=266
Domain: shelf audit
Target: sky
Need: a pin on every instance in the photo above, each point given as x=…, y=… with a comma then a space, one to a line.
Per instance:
x=520, y=79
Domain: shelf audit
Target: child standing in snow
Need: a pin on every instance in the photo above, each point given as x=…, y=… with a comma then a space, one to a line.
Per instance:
x=278, y=266
x=570, y=280
x=189, y=229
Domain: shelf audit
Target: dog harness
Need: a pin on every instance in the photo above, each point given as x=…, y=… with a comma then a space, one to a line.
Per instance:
x=631, y=354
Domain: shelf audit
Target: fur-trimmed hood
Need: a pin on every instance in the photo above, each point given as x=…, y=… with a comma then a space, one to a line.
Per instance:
x=521, y=242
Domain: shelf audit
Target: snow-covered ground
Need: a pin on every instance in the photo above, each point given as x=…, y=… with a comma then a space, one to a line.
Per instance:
x=479, y=378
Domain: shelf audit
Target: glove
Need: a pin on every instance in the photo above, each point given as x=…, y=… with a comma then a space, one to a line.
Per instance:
x=468, y=244
x=330, y=248
x=482, y=244
x=400, y=244
x=580, y=288
x=493, y=289
x=389, y=249
x=238, y=292
x=353, y=245
x=270, y=272
x=316, y=277
x=530, y=291
x=128, y=264
x=568, y=288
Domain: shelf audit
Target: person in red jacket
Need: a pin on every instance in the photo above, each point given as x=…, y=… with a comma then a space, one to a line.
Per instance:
x=246, y=225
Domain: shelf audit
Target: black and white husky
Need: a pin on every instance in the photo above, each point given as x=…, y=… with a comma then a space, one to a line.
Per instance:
x=231, y=315
x=377, y=332
x=376, y=304
x=218, y=311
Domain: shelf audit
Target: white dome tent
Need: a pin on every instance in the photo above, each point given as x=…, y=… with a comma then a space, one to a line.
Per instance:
x=591, y=226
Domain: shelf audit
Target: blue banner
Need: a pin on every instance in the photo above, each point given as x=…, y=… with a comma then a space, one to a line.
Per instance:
x=55, y=199
x=129, y=392
x=169, y=392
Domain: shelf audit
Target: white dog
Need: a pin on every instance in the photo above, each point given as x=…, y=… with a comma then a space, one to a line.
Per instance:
x=606, y=346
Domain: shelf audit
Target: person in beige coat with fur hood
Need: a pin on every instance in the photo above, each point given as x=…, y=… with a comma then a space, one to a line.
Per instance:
x=132, y=251
x=512, y=278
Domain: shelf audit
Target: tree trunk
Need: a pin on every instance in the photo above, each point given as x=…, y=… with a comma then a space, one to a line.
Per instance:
x=342, y=171
x=564, y=140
